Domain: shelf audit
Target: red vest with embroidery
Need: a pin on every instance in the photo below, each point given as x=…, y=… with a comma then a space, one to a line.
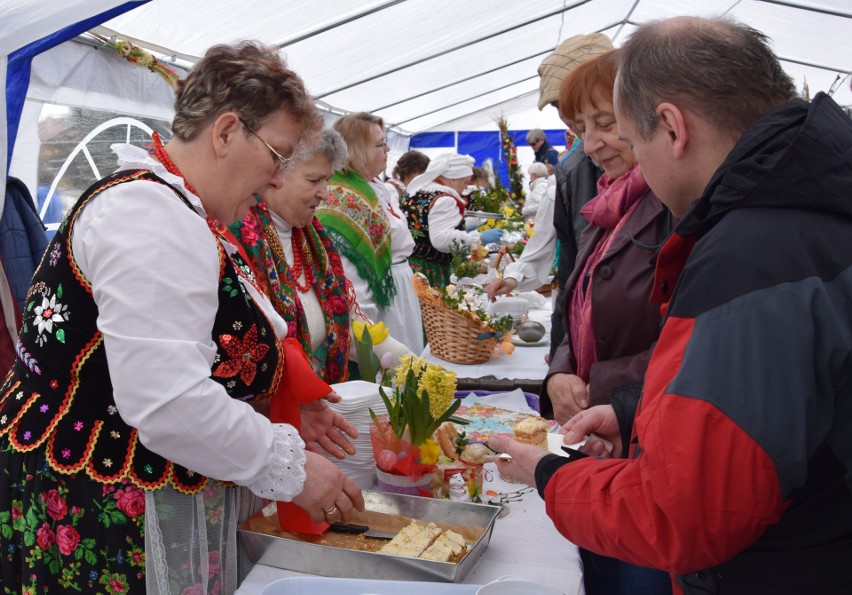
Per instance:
x=58, y=395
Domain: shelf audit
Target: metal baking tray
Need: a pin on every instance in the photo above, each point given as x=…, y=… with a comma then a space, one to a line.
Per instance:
x=485, y=215
x=474, y=521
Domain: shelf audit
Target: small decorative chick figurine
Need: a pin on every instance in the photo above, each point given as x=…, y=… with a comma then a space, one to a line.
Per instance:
x=458, y=489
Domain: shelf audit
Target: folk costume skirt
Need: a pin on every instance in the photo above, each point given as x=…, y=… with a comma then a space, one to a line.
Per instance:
x=63, y=533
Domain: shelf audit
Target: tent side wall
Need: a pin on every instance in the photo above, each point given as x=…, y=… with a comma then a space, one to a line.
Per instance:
x=77, y=75
x=483, y=145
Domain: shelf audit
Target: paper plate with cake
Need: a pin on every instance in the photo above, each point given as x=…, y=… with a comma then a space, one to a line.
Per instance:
x=486, y=418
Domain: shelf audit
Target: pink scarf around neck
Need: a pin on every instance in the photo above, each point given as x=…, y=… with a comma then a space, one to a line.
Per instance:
x=610, y=210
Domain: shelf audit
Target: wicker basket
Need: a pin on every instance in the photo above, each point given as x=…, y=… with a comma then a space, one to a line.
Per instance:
x=452, y=337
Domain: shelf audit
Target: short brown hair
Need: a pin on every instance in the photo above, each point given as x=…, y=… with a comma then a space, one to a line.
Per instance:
x=248, y=78
x=355, y=130
x=720, y=69
x=411, y=163
x=591, y=81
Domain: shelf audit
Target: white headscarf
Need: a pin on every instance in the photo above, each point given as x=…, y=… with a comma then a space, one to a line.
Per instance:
x=449, y=165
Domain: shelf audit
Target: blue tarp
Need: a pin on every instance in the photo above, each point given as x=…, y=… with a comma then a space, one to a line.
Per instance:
x=481, y=145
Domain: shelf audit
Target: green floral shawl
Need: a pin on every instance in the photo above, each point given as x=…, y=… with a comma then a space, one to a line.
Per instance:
x=356, y=221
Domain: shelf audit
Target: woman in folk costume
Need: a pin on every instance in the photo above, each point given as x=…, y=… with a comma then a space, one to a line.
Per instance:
x=365, y=223
x=297, y=264
x=124, y=417
x=409, y=165
x=435, y=211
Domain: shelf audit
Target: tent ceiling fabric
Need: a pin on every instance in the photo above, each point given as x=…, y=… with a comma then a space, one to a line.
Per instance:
x=429, y=64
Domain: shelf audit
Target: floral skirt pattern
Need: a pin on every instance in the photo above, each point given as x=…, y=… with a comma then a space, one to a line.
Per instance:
x=438, y=273
x=63, y=533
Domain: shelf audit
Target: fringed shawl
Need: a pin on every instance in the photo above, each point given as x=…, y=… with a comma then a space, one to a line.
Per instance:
x=356, y=221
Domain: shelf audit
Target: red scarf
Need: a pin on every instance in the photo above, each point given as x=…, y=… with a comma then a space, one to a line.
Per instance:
x=609, y=210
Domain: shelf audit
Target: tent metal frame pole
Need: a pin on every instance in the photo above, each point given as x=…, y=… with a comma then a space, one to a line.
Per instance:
x=610, y=26
x=812, y=65
x=335, y=24
x=464, y=80
x=455, y=103
x=487, y=107
x=626, y=20
x=453, y=49
x=797, y=6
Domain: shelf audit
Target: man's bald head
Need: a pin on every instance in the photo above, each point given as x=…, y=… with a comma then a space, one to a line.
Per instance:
x=719, y=69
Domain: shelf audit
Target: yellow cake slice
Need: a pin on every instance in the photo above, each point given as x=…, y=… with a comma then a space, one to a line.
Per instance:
x=448, y=545
x=412, y=540
x=533, y=430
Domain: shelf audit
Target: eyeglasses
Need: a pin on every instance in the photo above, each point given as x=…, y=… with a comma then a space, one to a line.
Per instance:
x=281, y=161
x=383, y=144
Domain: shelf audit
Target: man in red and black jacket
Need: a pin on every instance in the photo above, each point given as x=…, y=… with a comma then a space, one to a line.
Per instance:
x=736, y=474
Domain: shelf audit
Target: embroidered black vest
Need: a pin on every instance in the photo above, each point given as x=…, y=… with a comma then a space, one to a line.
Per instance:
x=416, y=209
x=399, y=187
x=58, y=394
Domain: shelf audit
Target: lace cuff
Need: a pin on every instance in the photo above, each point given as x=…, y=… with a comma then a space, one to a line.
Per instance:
x=285, y=475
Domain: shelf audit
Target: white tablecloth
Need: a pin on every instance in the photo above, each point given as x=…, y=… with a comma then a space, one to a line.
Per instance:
x=526, y=362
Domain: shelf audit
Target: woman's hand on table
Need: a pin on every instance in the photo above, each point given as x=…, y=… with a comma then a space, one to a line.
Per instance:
x=328, y=495
x=599, y=423
x=500, y=287
x=323, y=429
x=568, y=394
x=525, y=457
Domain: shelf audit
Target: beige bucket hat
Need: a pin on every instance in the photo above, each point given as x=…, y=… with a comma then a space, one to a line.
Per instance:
x=571, y=53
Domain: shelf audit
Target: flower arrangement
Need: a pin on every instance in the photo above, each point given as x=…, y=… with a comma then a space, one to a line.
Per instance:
x=136, y=55
x=420, y=402
x=517, y=248
x=467, y=263
x=511, y=221
x=488, y=200
x=468, y=300
x=516, y=184
x=472, y=301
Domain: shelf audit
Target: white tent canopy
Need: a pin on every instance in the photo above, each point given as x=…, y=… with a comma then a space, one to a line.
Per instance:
x=422, y=65
x=441, y=64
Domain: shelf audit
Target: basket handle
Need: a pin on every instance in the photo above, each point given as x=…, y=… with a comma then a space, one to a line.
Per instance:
x=502, y=252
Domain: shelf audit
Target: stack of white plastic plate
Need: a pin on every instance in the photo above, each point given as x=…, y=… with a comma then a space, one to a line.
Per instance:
x=357, y=398
x=516, y=307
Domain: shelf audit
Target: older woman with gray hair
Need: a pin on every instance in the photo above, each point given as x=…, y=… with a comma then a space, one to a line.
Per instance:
x=538, y=189
x=297, y=264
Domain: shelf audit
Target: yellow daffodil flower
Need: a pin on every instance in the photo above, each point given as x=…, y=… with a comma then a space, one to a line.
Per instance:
x=378, y=331
x=429, y=452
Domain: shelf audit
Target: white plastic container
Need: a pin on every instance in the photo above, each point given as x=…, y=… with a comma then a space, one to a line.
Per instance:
x=318, y=585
